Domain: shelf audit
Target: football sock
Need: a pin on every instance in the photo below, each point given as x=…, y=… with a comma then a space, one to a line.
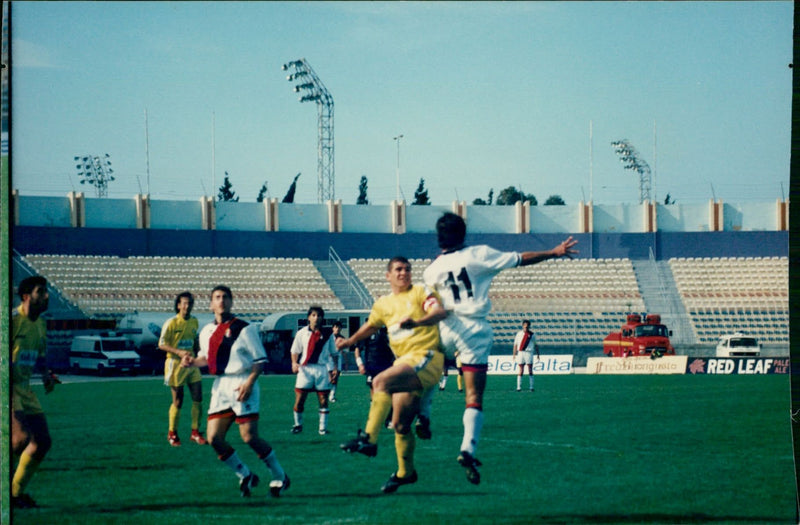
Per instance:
x=197, y=408
x=530, y=381
x=405, y=444
x=426, y=402
x=298, y=418
x=323, y=418
x=274, y=466
x=174, y=414
x=473, y=423
x=236, y=465
x=443, y=382
x=460, y=382
x=378, y=410
x=25, y=470
x=519, y=382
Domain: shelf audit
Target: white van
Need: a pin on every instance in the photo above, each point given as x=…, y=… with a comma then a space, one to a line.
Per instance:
x=738, y=345
x=103, y=353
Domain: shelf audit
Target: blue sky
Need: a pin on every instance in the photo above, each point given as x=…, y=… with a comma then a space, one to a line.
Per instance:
x=487, y=95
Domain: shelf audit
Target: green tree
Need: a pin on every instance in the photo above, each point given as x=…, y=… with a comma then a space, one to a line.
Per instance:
x=511, y=196
x=554, y=200
x=421, y=195
x=669, y=200
x=262, y=192
x=481, y=202
x=362, y=191
x=289, y=197
x=226, y=192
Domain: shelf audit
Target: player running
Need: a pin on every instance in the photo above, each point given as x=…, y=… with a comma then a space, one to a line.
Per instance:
x=232, y=350
x=462, y=276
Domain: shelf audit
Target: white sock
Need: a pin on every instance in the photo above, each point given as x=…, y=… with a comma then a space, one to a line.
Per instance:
x=443, y=382
x=473, y=423
x=530, y=380
x=519, y=382
x=298, y=418
x=274, y=466
x=323, y=418
x=235, y=464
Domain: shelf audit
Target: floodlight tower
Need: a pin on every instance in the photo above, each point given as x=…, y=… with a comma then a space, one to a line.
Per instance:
x=95, y=170
x=313, y=90
x=630, y=157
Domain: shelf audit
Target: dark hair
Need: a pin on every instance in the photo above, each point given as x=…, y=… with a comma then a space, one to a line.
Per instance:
x=316, y=308
x=29, y=284
x=337, y=324
x=450, y=231
x=397, y=258
x=525, y=321
x=181, y=295
x=224, y=289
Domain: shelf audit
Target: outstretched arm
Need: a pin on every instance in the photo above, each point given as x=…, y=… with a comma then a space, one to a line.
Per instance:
x=564, y=249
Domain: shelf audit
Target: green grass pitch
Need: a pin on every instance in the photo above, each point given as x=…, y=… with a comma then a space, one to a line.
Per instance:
x=581, y=449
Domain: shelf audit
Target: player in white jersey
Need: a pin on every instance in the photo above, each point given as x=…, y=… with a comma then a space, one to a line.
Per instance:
x=462, y=276
x=523, y=350
x=232, y=350
x=313, y=353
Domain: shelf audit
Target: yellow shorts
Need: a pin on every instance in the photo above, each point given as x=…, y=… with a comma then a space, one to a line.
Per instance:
x=24, y=400
x=428, y=365
x=177, y=375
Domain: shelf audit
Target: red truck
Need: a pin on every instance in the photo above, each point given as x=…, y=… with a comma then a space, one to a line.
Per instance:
x=638, y=338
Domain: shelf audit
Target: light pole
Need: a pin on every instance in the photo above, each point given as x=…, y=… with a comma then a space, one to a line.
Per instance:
x=314, y=91
x=96, y=171
x=630, y=158
x=397, y=171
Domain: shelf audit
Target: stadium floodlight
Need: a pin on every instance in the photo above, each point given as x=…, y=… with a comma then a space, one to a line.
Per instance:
x=313, y=90
x=95, y=171
x=630, y=158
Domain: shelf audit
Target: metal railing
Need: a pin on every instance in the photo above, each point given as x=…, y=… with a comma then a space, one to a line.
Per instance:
x=353, y=282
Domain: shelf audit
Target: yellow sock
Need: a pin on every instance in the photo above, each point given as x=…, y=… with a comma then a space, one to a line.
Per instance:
x=174, y=414
x=378, y=410
x=405, y=444
x=459, y=382
x=197, y=407
x=25, y=471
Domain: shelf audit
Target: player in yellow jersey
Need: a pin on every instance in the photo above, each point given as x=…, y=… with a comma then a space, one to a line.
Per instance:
x=178, y=339
x=410, y=313
x=30, y=436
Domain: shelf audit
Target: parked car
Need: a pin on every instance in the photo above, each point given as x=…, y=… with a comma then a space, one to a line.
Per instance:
x=738, y=345
x=103, y=353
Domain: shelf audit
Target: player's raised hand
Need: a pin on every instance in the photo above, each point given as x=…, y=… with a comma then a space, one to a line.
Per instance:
x=565, y=248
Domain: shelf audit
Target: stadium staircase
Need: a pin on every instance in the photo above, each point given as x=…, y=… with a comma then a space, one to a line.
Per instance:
x=58, y=307
x=660, y=294
x=344, y=283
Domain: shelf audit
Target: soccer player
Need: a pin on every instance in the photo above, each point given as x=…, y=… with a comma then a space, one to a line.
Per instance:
x=30, y=436
x=524, y=342
x=312, y=356
x=411, y=314
x=336, y=327
x=462, y=276
x=232, y=350
x=179, y=338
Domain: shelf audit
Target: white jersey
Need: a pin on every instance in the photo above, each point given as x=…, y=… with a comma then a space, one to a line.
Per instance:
x=463, y=277
x=231, y=348
x=314, y=348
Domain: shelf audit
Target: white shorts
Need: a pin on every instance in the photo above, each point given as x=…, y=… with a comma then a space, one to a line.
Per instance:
x=524, y=358
x=471, y=338
x=224, y=393
x=313, y=377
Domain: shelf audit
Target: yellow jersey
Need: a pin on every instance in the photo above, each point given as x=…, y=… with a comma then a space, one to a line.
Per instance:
x=180, y=333
x=390, y=309
x=29, y=343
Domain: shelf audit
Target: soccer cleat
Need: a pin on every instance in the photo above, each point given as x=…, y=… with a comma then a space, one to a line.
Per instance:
x=323, y=432
x=297, y=429
x=198, y=438
x=394, y=482
x=23, y=501
x=278, y=487
x=247, y=483
x=519, y=390
x=470, y=463
x=423, y=427
x=361, y=444
x=173, y=438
